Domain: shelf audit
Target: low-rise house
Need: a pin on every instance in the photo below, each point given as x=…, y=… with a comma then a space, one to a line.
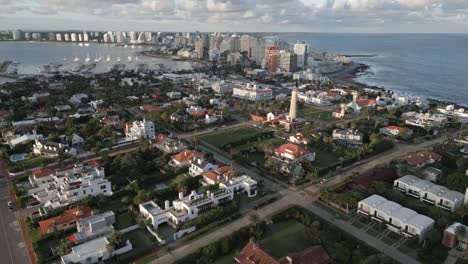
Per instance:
x=139, y=129
x=255, y=253
x=196, y=111
x=174, y=95
x=110, y=120
x=209, y=119
x=63, y=108
x=258, y=118
x=453, y=238
x=71, y=185
x=190, y=207
x=65, y=221
x=219, y=175
x=199, y=166
x=76, y=140
x=348, y=137
x=183, y=158
x=93, y=227
x=398, y=219
x=426, y=120
x=429, y=192
x=94, y=251
x=168, y=145
x=294, y=152
x=299, y=138
x=76, y=98
x=432, y=174
x=148, y=108
x=396, y=131
x=52, y=149
x=421, y=159
x=359, y=103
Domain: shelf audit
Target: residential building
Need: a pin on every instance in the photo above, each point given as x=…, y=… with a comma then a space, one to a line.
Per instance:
x=222, y=87
x=168, y=145
x=174, y=95
x=348, y=137
x=219, y=175
x=294, y=152
x=139, y=129
x=421, y=159
x=359, y=103
x=70, y=185
x=398, y=219
x=452, y=238
x=301, y=50
x=93, y=227
x=429, y=192
x=253, y=92
x=183, y=158
x=52, y=149
x=94, y=251
x=271, y=59
x=287, y=61
x=190, y=207
x=299, y=138
x=199, y=166
x=432, y=174
x=426, y=120
x=67, y=220
x=396, y=131
x=256, y=253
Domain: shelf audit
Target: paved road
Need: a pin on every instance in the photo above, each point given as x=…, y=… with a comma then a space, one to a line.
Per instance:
x=12, y=246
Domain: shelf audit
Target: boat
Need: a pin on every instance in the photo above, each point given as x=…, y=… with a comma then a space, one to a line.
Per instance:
x=86, y=44
x=118, y=58
x=126, y=46
x=129, y=58
x=108, y=58
x=65, y=58
x=88, y=59
x=76, y=59
x=80, y=44
x=98, y=59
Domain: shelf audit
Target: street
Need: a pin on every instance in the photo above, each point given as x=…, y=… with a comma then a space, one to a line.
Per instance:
x=12, y=246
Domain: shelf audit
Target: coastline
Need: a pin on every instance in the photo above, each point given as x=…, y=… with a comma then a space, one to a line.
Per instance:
x=352, y=71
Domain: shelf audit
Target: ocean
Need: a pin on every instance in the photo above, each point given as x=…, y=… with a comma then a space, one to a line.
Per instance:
x=427, y=65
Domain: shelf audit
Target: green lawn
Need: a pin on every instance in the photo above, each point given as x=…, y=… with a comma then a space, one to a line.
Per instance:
x=325, y=116
x=313, y=113
x=324, y=158
x=33, y=233
x=227, y=259
x=285, y=237
x=222, y=138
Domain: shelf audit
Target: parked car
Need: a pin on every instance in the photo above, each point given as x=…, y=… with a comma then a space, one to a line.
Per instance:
x=10, y=204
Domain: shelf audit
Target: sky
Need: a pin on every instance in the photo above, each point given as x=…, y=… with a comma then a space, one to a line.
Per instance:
x=332, y=16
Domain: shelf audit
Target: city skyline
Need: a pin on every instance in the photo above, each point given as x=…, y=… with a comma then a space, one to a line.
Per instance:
x=321, y=16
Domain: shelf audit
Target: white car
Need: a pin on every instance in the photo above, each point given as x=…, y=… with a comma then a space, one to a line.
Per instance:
x=10, y=204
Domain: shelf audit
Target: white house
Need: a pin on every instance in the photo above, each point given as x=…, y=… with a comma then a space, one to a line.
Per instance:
x=299, y=138
x=94, y=251
x=199, y=166
x=93, y=227
x=398, y=219
x=65, y=187
x=241, y=184
x=76, y=140
x=348, y=137
x=429, y=192
x=139, y=129
x=76, y=98
x=52, y=149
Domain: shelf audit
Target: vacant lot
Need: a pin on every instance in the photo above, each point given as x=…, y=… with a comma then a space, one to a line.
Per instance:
x=229, y=137
x=309, y=113
x=324, y=158
x=290, y=231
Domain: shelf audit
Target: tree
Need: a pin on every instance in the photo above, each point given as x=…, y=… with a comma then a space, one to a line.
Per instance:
x=65, y=248
x=115, y=240
x=461, y=231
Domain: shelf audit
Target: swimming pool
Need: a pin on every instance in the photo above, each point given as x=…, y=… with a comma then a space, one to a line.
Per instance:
x=18, y=157
x=160, y=186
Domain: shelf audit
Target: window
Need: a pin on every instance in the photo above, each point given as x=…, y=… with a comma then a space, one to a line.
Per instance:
x=103, y=187
x=84, y=191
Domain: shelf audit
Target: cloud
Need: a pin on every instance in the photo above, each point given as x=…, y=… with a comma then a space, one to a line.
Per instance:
x=255, y=14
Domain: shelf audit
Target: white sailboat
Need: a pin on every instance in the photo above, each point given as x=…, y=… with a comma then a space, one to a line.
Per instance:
x=88, y=59
x=76, y=59
x=118, y=58
x=129, y=58
x=108, y=58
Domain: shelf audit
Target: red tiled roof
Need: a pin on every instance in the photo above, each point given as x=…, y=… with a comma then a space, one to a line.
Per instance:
x=290, y=148
x=224, y=169
x=312, y=255
x=148, y=108
x=41, y=172
x=365, y=102
x=160, y=138
x=255, y=254
x=400, y=129
x=187, y=155
x=368, y=179
x=300, y=137
x=72, y=238
x=71, y=215
x=421, y=157
x=210, y=175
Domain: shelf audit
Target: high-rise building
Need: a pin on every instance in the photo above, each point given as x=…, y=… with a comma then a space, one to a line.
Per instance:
x=36, y=36
x=133, y=36
x=66, y=36
x=73, y=37
x=271, y=60
x=301, y=49
x=85, y=37
x=27, y=36
x=199, y=49
x=234, y=43
x=51, y=36
x=18, y=35
x=245, y=45
x=58, y=37
x=80, y=37
x=119, y=37
x=287, y=61
x=141, y=38
x=258, y=49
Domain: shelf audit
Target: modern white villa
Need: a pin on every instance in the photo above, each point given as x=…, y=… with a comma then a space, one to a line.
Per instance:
x=397, y=218
x=190, y=207
x=60, y=188
x=429, y=192
x=93, y=227
x=139, y=129
x=94, y=251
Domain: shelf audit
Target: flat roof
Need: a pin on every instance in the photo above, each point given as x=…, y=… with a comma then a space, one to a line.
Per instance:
x=91, y=248
x=374, y=200
x=152, y=208
x=403, y=214
x=420, y=221
x=388, y=207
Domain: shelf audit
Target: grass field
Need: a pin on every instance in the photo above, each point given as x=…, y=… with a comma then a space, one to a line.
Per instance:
x=324, y=158
x=285, y=237
x=313, y=113
x=223, y=138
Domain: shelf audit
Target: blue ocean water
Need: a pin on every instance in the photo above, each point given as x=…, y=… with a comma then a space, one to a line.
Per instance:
x=427, y=65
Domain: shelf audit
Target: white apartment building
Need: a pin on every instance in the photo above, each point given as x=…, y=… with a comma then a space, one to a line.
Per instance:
x=310, y=75
x=301, y=49
x=222, y=87
x=398, y=219
x=253, y=92
x=348, y=136
x=429, y=192
x=190, y=207
x=315, y=97
x=64, y=187
x=450, y=110
x=424, y=120
x=139, y=129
